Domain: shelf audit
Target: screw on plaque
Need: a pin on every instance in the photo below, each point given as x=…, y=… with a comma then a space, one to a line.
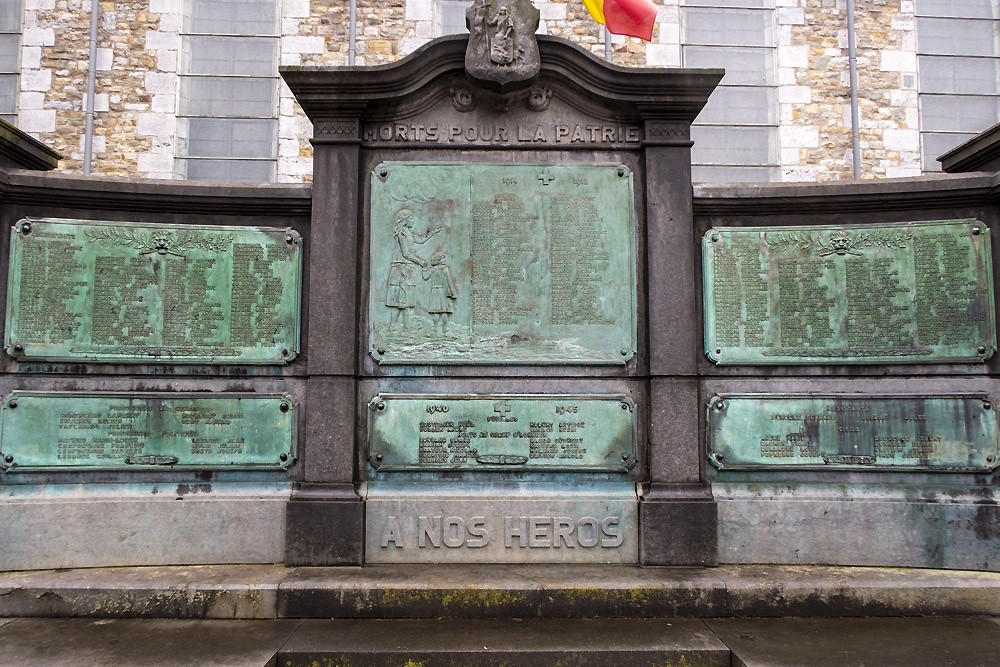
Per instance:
x=624, y=352
x=283, y=457
x=26, y=228
x=380, y=351
x=378, y=457
x=18, y=348
x=976, y=231
x=12, y=405
x=987, y=405
x=284, y=407
x=989, y=459
x=622, y=173
x=289, y=239
x=982, y=349
x=383, y=173
x=380, y=405
x=715, y=237
x=719, y=456
x=719, y=405
x=8, y=458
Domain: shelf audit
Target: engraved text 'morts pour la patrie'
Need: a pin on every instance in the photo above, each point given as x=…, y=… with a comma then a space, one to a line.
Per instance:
x=502, y=264
x=133, y=293
x=933, y=433
x=863, y=294
x=52, y=431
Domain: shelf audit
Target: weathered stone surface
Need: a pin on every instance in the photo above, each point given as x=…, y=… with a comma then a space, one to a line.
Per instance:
x=496, y=591
x=154, y=643
x=891, y=642
x=205, y=591
x=193, y=523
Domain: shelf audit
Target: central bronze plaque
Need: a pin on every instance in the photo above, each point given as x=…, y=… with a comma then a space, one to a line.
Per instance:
x=502, y=433
x=502, y=264
x=865, y=294
x=132, y=293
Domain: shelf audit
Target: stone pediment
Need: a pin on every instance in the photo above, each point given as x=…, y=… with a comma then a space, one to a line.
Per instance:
x=427, y=98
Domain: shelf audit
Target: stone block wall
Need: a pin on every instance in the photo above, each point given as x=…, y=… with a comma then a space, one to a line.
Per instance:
x=139, y=44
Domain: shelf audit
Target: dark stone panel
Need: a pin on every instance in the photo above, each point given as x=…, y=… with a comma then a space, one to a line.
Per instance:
x=680, y=531
x=674, y=440
x=324, y=532
x=330, y=430
x=333, y=261
x=670, y=262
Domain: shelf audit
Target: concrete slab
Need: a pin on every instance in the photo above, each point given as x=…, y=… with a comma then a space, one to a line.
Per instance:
x=527, y=643
x=205, y=591
x=814, y=590
x=140, y=642
x=856, y=642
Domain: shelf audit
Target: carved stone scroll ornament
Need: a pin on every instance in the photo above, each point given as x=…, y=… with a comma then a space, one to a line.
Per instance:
x=502, y=55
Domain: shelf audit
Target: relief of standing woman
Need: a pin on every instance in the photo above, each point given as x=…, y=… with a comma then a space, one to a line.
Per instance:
x=401, y=288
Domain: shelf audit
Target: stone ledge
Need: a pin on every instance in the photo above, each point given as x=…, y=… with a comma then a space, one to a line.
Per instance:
x=496, y=591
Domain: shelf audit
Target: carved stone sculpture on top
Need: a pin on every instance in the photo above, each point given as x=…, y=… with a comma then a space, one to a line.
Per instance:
x=502, y=55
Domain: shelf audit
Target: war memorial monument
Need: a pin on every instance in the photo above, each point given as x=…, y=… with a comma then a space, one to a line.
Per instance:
x=500, y=327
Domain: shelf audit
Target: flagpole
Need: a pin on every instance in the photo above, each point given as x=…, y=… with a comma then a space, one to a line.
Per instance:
x=607, y=44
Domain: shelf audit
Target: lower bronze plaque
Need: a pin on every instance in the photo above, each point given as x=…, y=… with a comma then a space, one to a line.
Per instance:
x=501, y=433
x=110, y=431
x=502, y=264
x=935, y=433
x=132, y=293
x=864, y=294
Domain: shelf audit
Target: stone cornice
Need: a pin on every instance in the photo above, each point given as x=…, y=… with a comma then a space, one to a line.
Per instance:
x=943, y=191
x=25, y=151
x=124, y=194
x=340, y=93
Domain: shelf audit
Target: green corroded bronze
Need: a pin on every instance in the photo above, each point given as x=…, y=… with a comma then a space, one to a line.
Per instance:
x=859, y=294
x=934, y=433
x=110, y=431
x=501, y=433
x=138, y=293
x=502, y=264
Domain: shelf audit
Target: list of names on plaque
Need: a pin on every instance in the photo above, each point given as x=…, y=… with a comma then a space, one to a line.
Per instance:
x=98, y=430
x=503, y=432
x=491, y=264
x=132, y=293
x=899, y=293
x=747, y=432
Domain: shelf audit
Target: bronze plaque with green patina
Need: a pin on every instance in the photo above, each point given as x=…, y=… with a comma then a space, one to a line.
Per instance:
x=860, y=294
x=502, y=264
x=507, y=433
x=134, y=431
x=933, y=433
x=139, y=293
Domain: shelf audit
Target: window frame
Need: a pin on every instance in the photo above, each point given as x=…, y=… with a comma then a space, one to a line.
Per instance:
x=189, y=34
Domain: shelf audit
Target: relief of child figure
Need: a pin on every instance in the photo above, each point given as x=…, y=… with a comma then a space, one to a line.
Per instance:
x=443, y=292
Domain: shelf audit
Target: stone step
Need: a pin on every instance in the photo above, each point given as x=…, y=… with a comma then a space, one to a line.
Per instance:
x=496, y=643
x=733, y=642
x=496, y=591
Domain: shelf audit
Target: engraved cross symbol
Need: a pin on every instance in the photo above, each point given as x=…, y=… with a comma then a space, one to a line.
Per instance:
x=502, y=407
x=545, y=177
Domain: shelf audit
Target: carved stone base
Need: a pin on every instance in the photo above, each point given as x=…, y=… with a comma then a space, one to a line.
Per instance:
x=679, y=526
x=324, y=529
